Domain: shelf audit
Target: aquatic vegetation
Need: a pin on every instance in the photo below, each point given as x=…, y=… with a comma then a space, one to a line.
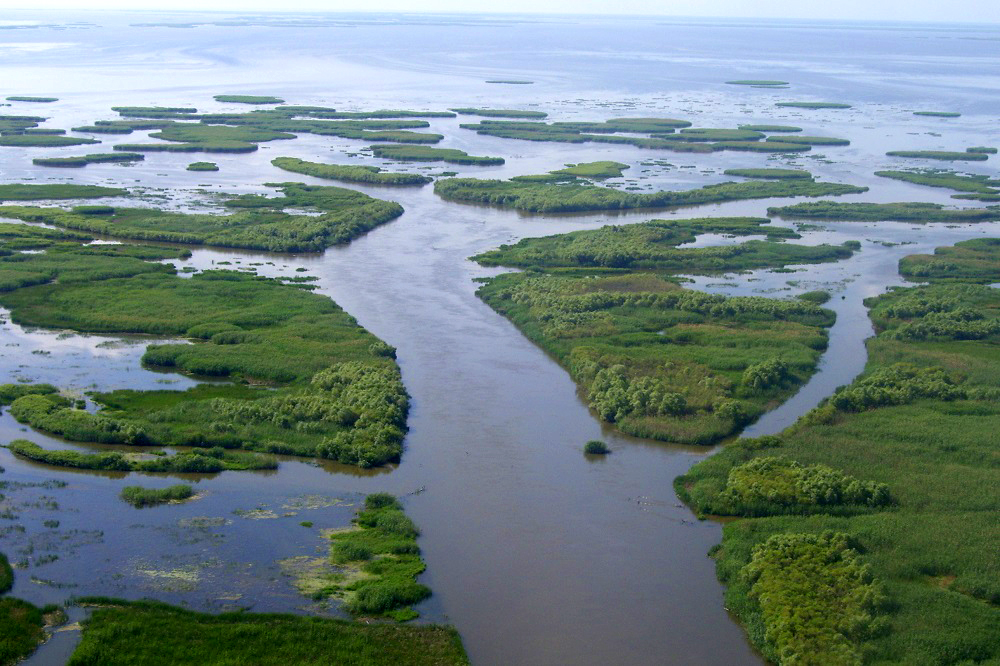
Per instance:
x=249, y=99
x=515, y=82
x=42, y=140
x=654, y=246
x=819, y=297
x=975, y=260
x=25, y=98
x=757, y=82
x=814, y=105
x=77, y=161
x=771, y=128
x=811, y=140
x=908, y=436
x=659, y=361
x=945, y=155
x=139, y=497
x=349, y=173
x=501, y=113
x=699, y=134
x=21, y=628
x=29, y=192
x=938, y=114
x=546, y=197
x=425, y=154
x=977, y=184
x=202, y=166
x=258, y=223
x=776, y=174
x=768, y=146
x=383, y=550
x=594, y=170
x=135, y=110
x=988, y=150
x=871, y=212
x=207, y=462
x=596, y=447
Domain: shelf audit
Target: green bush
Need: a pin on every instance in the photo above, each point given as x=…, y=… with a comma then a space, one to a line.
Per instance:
x=138, y=496
x=596, y=447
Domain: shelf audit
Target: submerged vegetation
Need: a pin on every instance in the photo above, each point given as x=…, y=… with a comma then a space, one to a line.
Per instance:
x=259, y=222
x=349, y=173
x=547, y=197
x=865, y=536
x=124, y=633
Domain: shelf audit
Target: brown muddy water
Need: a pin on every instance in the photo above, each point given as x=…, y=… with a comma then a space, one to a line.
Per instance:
x=535, y=553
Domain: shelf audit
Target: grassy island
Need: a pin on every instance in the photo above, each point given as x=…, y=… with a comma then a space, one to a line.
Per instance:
x=78, y=161
x=845, y=548
x=43, y=140
x=871, y=212
x=258, y=224
x=761, y=83
x=140, y=497
x=771, y=128
x=125, y=633
x=29, y=192
x=202, y=166
x=425, y=154
x=349, y=173
x=502, y=113
x=307, y=380
x=249, y=99
x=944, y=155
x=596, y=170
x=26, y=98
x=548, y=197
x=770, y=174
x=814, y=105
x=978, y=187
x=938, y=114
x=657, y=360
x=976, y=260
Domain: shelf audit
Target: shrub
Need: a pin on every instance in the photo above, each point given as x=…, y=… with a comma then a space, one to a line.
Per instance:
x=596, y=447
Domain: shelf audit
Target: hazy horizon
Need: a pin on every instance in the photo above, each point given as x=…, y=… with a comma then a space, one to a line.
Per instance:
x=971, y=11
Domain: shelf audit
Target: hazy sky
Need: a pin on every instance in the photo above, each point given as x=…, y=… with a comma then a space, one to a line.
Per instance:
x=981, y=11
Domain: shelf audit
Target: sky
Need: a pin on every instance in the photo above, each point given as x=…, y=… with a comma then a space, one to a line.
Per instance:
x=978, y=11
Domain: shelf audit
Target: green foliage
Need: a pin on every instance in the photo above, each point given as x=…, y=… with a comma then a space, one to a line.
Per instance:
x=975, y=260
x=202, y=166
x=11, y=392
x=819, y=297
x=693, y=134
x=20, y=629
x=135, y=110
x=501, y=113
x=917, y=425
x=19, y=192
x=775, y=174
x=873, y=212
x=771, y=128
x=42, y=140
x=84, y=160
x=385, y=547
x=757, y=82
x=349, y=173
x=812, y=140
x=814, y=105
x=544, y=197
x=988, y=150
x=937, y=114
x=249, y=99
x=6, y=575
x=259, y=223
x=425, y=154
x=765, y=375
x=24, y=98
x=594, y=170
x=206, y=462
x=657, y=360
x=976, y=184
x=596, y=447
x=122, y=633
x=946, y=155
x=140, y=497
x=817, y=599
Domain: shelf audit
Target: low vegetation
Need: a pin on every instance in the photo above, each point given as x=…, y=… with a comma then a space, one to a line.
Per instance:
x=771, y=128
x=24, y=98
x=548, y=197
x=249, y=99
x=202, y=166
x=381, y=561
x=258, y=223
x=501, y=113
x=596, y=447
x=139, y=497
x=349, y=173
x=78, y=161
x=29, y=192
x=765, y=83
x=978, y=187
x=975, y=260
x=425, y=154
x=871, y=212
x=944, y=155
x=307, y=380
x=937, y=114
x=43, y=140
x=847, y=549
x=814, y=105
x=124, y=633
x=595, y=170
x=770, y=174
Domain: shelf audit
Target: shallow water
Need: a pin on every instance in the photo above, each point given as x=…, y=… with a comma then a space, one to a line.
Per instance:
x=537, y=554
